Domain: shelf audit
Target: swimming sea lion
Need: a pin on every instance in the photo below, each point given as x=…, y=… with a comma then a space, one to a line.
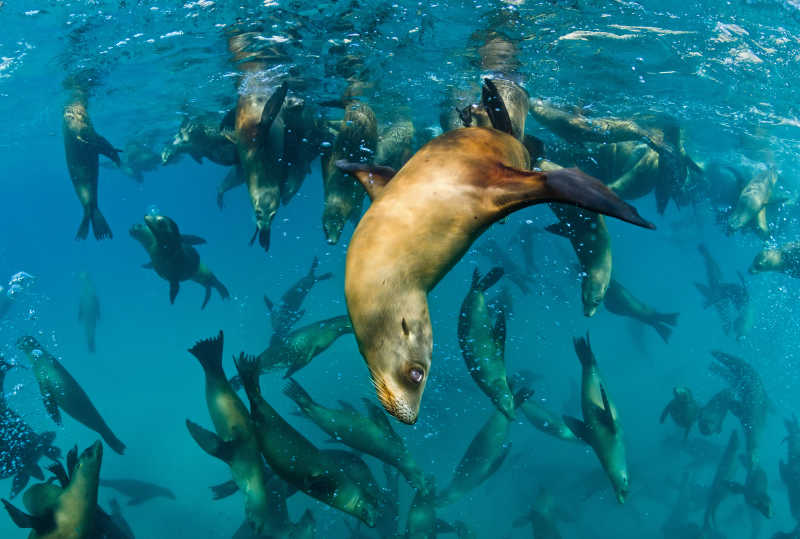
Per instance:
x=683, y=409
x=711, y=416
x=751, y=207
x=422, y=522
x=138, y=491
x=82, y=145
x=301, y=142
x=720, y=487
x=356, y=141
x=618, y=300
x=457, y=185
x=638, y=180
x=542, y=418
x=542, y=516
x=286, y=314
x=785, y=259
x=67, y=513
x=61, y=391
x=372, y=435
x=790, y=469
x=491, y=250
x=754, y=490
x=296, y=460
x=482, y=339
x=201, y=137
x=138, y=158
x=89, y=309
x=484, y=455
x=731, y=300
x=235, y=441
x=576, y=128
x=173, y=256
x=395, y=144
x=600, y=427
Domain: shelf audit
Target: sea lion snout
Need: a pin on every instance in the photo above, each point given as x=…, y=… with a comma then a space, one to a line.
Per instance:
x=26, y=344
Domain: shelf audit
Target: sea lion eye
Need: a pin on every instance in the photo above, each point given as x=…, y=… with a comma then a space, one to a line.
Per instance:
x=405, y=328
x=416, y=375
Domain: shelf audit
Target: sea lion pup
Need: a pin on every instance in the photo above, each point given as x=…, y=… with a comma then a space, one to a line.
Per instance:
x=790, y=469
x=600, y=427
x=752, y=402
x=785, y=259
x=20, y=447
x=543, y=516
x=89, y=308
x=457, y=185
x=356, y=142
x=201, y=137
x=484, y=455
x=372, y=435
x=173, y=256
x=235, y=441
x=711, y=416
x=491, y=250
x=720, y=487
x=754, y=490
x=683, y=409
x=63, y=513
x=751, y=207
x=82, y=146
x=296, y=460
x=618, y=300
x=60, y=391
x=286, y=314
x=138, y=491
x=482, y=339
x=422, y=522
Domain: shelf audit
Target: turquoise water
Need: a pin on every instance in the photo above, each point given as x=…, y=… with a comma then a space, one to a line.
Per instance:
x=726, y=72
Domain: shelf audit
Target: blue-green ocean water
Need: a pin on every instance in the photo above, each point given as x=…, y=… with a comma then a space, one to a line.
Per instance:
x=727, y=71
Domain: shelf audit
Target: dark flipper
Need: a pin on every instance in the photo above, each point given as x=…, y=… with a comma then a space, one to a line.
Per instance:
x=19, y=483
x=496, y=108
x=663, y=330
x=41, y=524
x=210, y=442
x=103, y=147
x=209, y=353
x=99, y=225
x=372, y=177
x=190, y=239
x=583, y=349
x=112, y=441
x=272, y=108
x=487, y=281
x=174, y=286
x=223, y=490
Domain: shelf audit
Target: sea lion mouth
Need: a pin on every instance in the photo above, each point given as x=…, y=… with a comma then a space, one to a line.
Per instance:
x=393, y=404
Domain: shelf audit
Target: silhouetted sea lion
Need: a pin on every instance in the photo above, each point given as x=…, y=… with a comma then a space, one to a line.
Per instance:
x=138, y=491
x=89, y=310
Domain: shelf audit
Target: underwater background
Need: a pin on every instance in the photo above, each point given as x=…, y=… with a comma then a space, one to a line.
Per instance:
x=728, y=72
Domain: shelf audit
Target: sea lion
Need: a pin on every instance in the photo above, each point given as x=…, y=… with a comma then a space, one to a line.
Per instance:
x=790, y=469
x=138, y=158
x=67, y=513
x=395, y=144
x=731, y=300
x=356, y=141
x=720, y=487
x=21, y=447
x=618, y=300
x=600, y=427
x=286, y=314
x=173, y=256
x=119, y=520
x=754, y=490
x=301, y=143
x=372, y=435
x=201, y=137
x=711, y=416
x=752, y=403
x=484, y=455
x=522, y=278
x=235, y=441
x=576, y=128
x=543, y=516
x=422, y=522
x=89, y=308
x=234, y=178
x=82, y=146
x=296, y=460
x=785, y=259
x=60, y=391
x=482, y=339
x=751, y=207
x=548, y=422
x=683, y=409
x=640, y=179
x=138, y=491
x=457, y=185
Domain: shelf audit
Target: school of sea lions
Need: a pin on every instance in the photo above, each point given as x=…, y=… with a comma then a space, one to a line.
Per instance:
x=432, y=196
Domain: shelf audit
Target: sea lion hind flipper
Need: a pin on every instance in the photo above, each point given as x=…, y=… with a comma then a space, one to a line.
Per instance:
x=209, y=353
x=663, y=330
x=249, y=371
x=496, y=107
x=40, y=524
x=19, y=483
x=372, y=177
x=223, y=490
x=191, y=239
x=210, y=442
x=521, y=188
x=174, y=287
x=583, y=349
x=51, y=406
x=577, y=427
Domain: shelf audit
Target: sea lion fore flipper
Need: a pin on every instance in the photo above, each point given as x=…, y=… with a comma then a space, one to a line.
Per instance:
x=560, y=229
x=577, y=427
x=206, y=297
x=372, y=177
x=210, y=442
x=489, y=280
x=496, y=107
x=72, y=460
x=40, y=524
x=19, y=483
x=190, y=239
x=103, y=147
x=608, y=412
x=223, y=490
x=534, y=146
x=761, y=222
x=378, y=416
x=268, y=303
x=57, y=469
x=665, y=412
x=272, y=108
x=344, y=405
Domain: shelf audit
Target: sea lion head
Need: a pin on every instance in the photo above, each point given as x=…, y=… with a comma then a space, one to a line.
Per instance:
x=400, y=361
x=28, y=344
x=683, y=394
x=89, y=462
x=592, y=293
x=164, y=229
x=766, y=260
x=181, y=142
x=620, y=482
x=333, y=221
x=265, y=207
x=142, y=234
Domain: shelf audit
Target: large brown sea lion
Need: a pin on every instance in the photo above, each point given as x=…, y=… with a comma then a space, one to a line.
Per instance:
x=420, y=225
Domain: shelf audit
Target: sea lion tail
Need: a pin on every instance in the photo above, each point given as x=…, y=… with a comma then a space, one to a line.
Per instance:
x=664, y=331
x=583, y=349
x=99, y=225
x=218, y=286
x=295, y=391
x=83, y=229
x=209, y=353
x=249, y=371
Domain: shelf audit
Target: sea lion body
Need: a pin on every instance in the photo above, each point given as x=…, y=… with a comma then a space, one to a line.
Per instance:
x=618, y=300
x=751, y=207
x=61, y=391
x=421, y=522
x=712, y=415
x=201, y=137
x=395, y=145
x=457, y=185
x=785, y=259
x=302, y=137
x=720, y=487
x=89, y=310
x=640, y=179
x=790, y=469
x=600, y=427
x=372, y=435
x=683, y=409
x=547, y=421
x=138, y=159
x=82, y=146
x=542, y=516
x=173, y=256
x=138, y=491
x=356, y=141
x=482, y=339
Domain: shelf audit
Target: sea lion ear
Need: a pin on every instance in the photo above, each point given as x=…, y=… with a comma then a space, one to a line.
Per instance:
x=372, y=177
